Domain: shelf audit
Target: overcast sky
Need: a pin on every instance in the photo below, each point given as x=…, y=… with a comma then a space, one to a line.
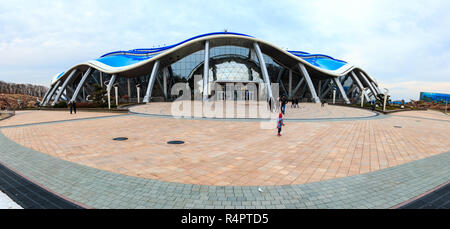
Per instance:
x=405, y=45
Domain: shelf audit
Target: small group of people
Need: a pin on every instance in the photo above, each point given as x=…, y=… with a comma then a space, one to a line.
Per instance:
x=73, y=106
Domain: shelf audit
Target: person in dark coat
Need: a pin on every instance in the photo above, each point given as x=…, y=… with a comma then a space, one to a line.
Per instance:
x=283, y=104
x=74, y=107
x=70, y=106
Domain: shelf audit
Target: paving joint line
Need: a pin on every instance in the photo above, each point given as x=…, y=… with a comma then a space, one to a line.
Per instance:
x=62, y=121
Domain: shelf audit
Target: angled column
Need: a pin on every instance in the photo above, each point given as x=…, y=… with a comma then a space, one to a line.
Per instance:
x=327, y=90
x=63, y=87
x=369, y=84
x=309, y=81
x=341, y=89
x=263, y=69
x=280, y=74
x=361, y=87
x=206, y=72
x=46, y=94
x=111, y=82
x=376, y=87
x=165, y=83
x=80, y=85
x=49, y=97
x=298, y=86
x=151, y=82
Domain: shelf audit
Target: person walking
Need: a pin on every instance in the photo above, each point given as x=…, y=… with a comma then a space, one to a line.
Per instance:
x=70, y=106
x=323, y=103
x=283, y=104
x=280, y=123
x=74, y=107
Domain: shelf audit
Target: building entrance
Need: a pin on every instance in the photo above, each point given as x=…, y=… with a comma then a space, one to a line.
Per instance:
x=237, y=91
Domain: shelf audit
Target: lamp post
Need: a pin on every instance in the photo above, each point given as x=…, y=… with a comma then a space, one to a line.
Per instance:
x=138, y=88
x=116, y=90
x=385, y=99
x=109, y=93
x=334, y=95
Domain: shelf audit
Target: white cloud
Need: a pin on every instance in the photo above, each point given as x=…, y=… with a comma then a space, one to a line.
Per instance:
x=394, y=41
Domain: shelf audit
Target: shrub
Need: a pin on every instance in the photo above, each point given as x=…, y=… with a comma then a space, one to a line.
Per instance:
x=62, y=104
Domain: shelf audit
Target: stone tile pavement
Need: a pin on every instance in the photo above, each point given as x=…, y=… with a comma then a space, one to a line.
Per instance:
x=228, y=153
x=102, y=189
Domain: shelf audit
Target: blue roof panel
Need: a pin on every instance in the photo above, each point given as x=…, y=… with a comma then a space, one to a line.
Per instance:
x=325, y=63
x=122, y=60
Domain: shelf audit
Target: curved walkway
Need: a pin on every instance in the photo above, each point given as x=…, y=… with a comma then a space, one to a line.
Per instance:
x=250, y=112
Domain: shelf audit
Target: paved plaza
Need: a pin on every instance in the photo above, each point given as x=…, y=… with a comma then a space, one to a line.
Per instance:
x=331, y=157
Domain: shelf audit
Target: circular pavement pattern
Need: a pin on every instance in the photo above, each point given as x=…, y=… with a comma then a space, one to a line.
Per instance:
x=227, y=153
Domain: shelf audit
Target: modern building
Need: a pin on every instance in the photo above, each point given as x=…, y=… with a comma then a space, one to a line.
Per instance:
x=434, y=97
x=214, y=60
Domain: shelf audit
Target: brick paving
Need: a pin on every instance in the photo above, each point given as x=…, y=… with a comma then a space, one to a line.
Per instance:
x=224, y=153
x=41, y=116
x=363, y=163
x=243, y=110
x=102, y=189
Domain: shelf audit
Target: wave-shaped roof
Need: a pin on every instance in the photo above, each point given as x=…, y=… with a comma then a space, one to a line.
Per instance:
x=132, y=62
x=126, y=58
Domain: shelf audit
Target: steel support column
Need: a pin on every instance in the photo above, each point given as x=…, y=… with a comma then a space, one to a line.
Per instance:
x=46, y=94
x=369, y=84
x=310, y=83
x=63, y=87
x=151, y=82
x=206, y=72
x=327, y=90
x=263, y=69
x=165, y=83
x=361, y=87
x=49, y=97
x=298, y=86
x=341, y=89
x=80, y=85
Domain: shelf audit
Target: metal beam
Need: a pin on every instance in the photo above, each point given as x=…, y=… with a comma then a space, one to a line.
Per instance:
x=361, y=87
x=298, y=86
x=374, y=92
x=151, y=82
x=310, y=83
x=206, y=72
x=327, y=90
x=341, y=89
x=63, y=87
x=111, y=82
x=80, y=85
x=165, y=82
x=49, y=97
x=46, y=94
x=280, y=74
x=263, y=69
